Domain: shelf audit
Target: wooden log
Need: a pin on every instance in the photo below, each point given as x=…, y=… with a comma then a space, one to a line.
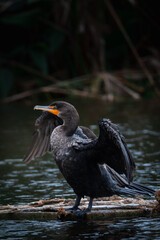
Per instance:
x=103, y=208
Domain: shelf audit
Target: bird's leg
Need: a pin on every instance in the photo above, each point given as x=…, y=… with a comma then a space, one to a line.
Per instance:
x=89, y=205
x=78, y=212
x=76, y=204
x=81, y=214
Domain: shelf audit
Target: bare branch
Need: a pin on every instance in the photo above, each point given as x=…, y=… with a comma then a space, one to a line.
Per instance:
x=128, y=40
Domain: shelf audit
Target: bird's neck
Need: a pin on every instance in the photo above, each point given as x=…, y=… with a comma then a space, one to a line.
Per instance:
x=70, y=124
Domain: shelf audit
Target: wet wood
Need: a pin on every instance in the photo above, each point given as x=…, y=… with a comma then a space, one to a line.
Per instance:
x=103, y=208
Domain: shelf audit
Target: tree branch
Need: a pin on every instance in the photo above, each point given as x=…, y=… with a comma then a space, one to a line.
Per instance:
x=130, y=44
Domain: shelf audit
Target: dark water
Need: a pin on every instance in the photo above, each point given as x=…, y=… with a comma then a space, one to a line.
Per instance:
x=20, y=183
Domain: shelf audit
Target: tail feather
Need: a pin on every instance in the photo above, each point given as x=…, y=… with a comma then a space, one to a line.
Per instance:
x=118, y=184
x=142, y=188
x=133, y=187
x=132, y=192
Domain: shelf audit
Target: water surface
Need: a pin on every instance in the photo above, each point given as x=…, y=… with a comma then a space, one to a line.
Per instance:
x=20, y=183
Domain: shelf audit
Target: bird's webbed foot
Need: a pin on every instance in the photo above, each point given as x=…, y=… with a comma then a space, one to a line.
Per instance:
x=82, y=213
x=79, y=213
x=75, y=206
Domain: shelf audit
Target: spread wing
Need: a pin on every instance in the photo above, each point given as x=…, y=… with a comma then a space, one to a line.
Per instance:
x=44, y=126
x=110, y=148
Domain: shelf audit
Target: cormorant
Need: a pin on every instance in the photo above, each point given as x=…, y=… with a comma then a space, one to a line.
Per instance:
x=93, y=166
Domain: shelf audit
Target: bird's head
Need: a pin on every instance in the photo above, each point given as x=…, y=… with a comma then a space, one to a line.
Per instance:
x=58, y=108
x=51, y=108
x=63, y=110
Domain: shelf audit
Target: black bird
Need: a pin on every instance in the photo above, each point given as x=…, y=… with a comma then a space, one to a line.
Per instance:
x=93, y=166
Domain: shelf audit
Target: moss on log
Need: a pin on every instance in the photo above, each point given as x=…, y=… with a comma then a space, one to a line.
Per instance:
x=103, y=208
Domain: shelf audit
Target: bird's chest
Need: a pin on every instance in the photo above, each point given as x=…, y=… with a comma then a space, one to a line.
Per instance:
x=63, y=153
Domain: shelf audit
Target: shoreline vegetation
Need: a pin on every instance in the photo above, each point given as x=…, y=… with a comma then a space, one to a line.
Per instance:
x=75, y=48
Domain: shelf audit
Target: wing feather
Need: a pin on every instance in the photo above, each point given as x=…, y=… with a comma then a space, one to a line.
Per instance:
x=110, y=148
x=119, y=156
x=44, y=126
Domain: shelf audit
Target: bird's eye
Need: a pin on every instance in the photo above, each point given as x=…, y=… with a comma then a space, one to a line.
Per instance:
x=53, y=107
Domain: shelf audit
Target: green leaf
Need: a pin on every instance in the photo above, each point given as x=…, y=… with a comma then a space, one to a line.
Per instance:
x=25, y=19
x=40, y=60
x=6, y=82
x=55, y=40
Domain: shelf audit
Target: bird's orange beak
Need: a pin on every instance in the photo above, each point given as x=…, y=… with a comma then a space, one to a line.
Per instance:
x=51, y=109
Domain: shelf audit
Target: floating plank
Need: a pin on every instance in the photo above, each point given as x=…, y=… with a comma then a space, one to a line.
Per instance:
x=103, y=208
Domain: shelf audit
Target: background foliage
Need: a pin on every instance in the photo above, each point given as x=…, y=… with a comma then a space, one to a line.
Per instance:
x=45, y=40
